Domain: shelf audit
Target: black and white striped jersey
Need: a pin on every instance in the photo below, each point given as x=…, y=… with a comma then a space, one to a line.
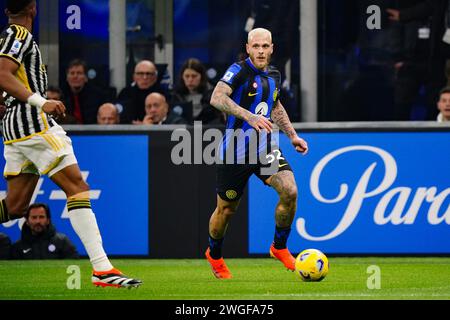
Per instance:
x=21, y=120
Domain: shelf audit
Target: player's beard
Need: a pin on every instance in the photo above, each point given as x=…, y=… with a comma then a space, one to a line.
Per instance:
x=267, y=62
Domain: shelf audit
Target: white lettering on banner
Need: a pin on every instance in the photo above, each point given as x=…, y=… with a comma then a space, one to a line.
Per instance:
x=421, y=195
x=54, y=195
x=361, y=192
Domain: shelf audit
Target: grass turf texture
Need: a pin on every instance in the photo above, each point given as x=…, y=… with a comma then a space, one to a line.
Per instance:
x=253, y=279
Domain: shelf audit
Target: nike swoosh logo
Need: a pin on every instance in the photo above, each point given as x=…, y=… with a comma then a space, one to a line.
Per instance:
x=253, y=94
x=26, y=250
x=283, y=165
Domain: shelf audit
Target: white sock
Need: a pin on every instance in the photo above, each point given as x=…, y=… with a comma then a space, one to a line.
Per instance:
x=85, y=225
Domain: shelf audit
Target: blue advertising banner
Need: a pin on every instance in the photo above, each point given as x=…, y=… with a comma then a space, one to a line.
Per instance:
x=116, y=169
x=362, y=193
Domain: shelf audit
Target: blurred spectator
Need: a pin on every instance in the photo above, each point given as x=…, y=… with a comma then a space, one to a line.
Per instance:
x=5, y=246
x=429, y=22
x=54, y=93
x=81, y=98
x=193, y=93
x=132, y=98
x=444, y=105
x=108, y=114
x=39, y=238
x=157, y=112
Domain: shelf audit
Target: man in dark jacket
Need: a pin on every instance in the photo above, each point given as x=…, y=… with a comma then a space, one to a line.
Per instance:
x=80, y=97
x=157, y=112
x=39, y=238
x=132, y=98
x=428, y=67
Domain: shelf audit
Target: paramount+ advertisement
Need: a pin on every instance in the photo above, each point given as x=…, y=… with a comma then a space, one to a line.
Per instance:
x=363, y=193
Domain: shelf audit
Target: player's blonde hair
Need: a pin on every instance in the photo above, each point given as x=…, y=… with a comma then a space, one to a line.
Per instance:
x=257, y=32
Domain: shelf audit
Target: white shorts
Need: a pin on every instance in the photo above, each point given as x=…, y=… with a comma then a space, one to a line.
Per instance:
x=46, y=153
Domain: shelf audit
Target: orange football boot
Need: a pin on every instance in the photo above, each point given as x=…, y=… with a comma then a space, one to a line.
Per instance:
x=284, y=256
x=219, y=268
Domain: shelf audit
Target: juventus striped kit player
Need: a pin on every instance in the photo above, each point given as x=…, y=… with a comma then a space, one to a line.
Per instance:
x=21, y=120
x=34, y=144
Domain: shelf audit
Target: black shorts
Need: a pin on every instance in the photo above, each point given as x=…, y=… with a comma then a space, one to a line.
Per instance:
x=233, y=178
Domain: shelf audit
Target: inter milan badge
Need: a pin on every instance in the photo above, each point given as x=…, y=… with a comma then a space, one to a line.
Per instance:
x=231, y=194
x=255, y=85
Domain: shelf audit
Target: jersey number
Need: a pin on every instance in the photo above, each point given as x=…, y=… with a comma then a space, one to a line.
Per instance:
x=275, y=155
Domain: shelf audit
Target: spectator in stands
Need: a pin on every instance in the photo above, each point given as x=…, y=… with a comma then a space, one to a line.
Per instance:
x=81, y=98
x=54, y=93
x=426, y=64
x=39, y=238
x=5, y=246
x=132, y=98
x=108, y=114
x=157, y=112
x=444, y=105
x=193, y=89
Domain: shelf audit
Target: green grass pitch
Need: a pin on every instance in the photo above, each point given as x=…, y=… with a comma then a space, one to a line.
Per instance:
x=253, y=279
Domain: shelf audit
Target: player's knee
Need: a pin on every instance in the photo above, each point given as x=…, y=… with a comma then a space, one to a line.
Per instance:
x=227, y=211
x=289, y=195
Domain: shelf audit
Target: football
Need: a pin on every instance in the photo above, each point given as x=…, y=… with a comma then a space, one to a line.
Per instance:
x=311, y=265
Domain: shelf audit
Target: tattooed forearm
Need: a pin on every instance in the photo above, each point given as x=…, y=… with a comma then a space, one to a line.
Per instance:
x=281, y=119
x=221, y=100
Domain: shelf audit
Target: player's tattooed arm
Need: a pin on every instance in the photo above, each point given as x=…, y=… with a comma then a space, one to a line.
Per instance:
x=281, y=119
x=221, y=100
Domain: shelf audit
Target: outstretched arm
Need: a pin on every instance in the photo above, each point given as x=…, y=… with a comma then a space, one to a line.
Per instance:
x=221, y=100
x=281, y=119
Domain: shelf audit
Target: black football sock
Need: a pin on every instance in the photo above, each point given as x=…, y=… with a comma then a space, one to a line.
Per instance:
x=281, y=237
x=215, y=247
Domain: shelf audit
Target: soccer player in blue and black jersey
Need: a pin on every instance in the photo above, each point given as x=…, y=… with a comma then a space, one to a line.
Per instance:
x=249, y=94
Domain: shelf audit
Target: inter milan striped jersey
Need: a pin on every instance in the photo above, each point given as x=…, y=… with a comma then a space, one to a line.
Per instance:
x=22, y=121
x=258, y=92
